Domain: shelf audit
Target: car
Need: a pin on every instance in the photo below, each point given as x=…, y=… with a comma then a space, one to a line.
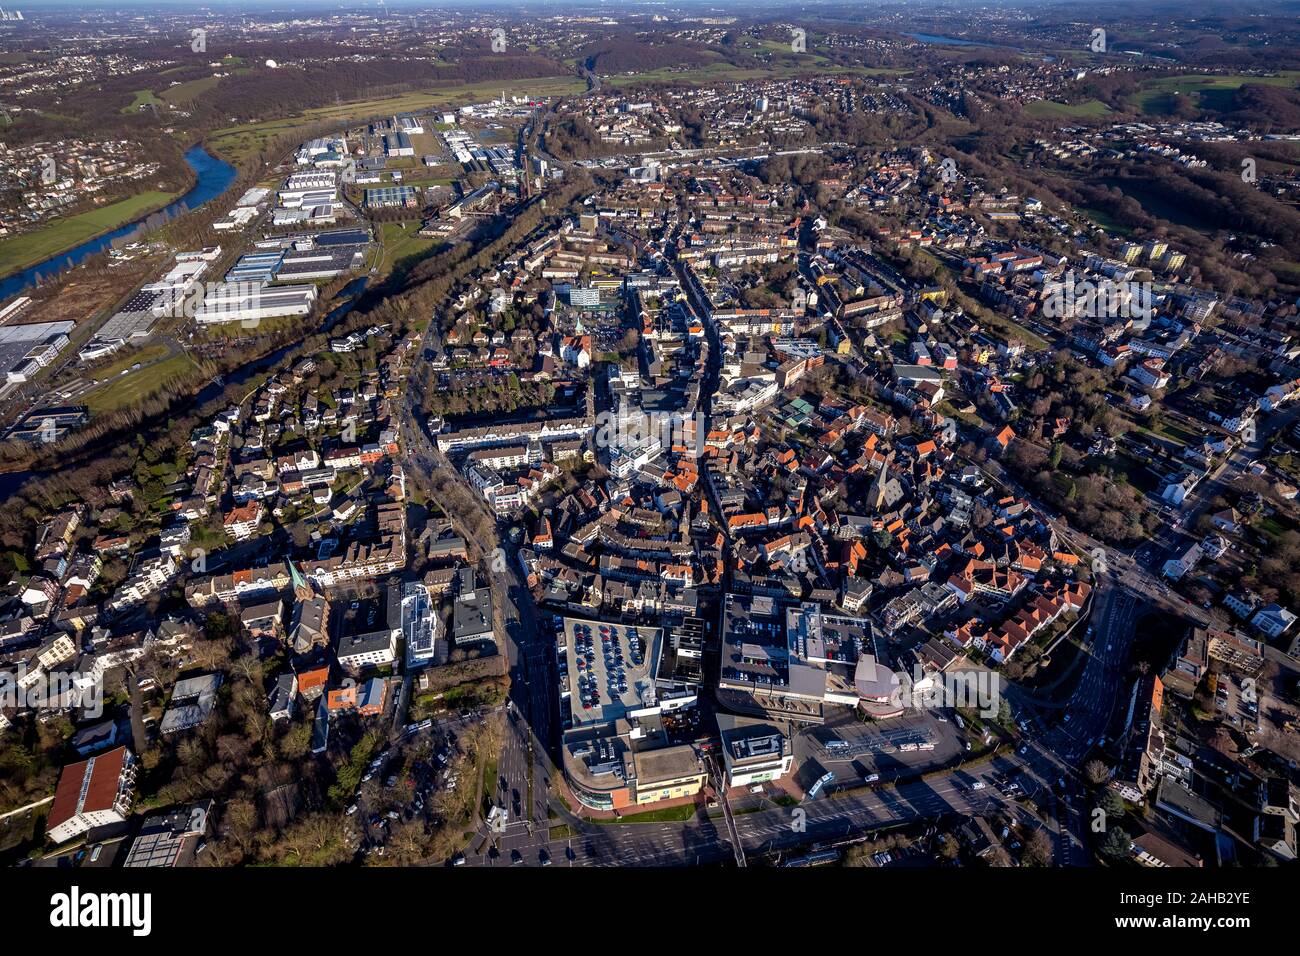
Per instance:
x=352, y=809
x=568, y=853
x=977, y=785
x=458, y=859
x=871, y=778
x=544, y=858
x=516, y=858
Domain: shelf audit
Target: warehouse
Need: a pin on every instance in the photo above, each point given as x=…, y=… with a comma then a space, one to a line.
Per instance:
x=19, y=343
x=390, y=196
x=320, y=263
x=239, y=302
x=398, y=144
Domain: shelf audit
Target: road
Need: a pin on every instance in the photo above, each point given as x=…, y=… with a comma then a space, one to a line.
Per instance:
x=703, y=839
x=542, y=832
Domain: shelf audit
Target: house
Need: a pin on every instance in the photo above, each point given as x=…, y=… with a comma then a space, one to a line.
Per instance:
x=241, y=521
x=1243, y=605
x=1159, y=851
x=1175, y=492
x=1273, y=620
x=263, y=619
x=284, y=697
x=96, y=737
x=1175, y=568
x=92, y=793
x=1228, y=521
x=1001, y=440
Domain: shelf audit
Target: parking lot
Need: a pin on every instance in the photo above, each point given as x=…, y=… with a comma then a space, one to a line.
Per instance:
x=399, y=783
x=607, y=666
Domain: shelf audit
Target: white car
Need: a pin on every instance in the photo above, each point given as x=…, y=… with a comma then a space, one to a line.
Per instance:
x=977, y=785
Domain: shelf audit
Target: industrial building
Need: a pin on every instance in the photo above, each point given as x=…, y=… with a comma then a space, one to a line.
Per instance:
x=238, y=302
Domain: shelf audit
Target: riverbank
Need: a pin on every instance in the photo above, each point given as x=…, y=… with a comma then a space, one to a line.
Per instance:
x=211, y=177
x=51, y=241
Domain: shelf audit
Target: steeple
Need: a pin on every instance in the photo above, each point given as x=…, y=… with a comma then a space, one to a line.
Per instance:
x=877, y=494
x=302, y=589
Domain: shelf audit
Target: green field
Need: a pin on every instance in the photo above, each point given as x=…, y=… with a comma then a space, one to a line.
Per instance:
x=236, y=143
x=148, y=354
x=1156, y=96
x=142, y=99
x=125, y=390
x=1105, y=220
x=401, y=243
x=1052, y=109
x=725, y=72
x=28, y=249
x=188, y=91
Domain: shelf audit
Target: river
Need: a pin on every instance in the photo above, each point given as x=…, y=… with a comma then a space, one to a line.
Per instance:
x=212, y=177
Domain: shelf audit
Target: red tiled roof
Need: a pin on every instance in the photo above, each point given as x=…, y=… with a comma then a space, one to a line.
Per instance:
x=100, y=793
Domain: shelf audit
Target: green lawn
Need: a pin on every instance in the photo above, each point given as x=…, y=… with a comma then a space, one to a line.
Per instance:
x=401, y=243
x=125, y=390
x=19, y=252
x=142, y=99
x=1105, y=220
x=1050, y=108
x=149, y=354
x=236, y=143
x=666, y=815
x=1156, y=96
x=187, y=92
x=1012, y=329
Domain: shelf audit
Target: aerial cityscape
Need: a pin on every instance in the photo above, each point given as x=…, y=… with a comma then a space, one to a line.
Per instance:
x=650, y=435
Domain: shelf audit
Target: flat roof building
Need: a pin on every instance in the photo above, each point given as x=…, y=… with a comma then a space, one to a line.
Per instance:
x=753, y=751
x=472, y=613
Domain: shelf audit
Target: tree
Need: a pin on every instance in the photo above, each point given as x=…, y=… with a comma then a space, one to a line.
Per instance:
x=1096, y=772
x=1038, y=848
x=1116, y=844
